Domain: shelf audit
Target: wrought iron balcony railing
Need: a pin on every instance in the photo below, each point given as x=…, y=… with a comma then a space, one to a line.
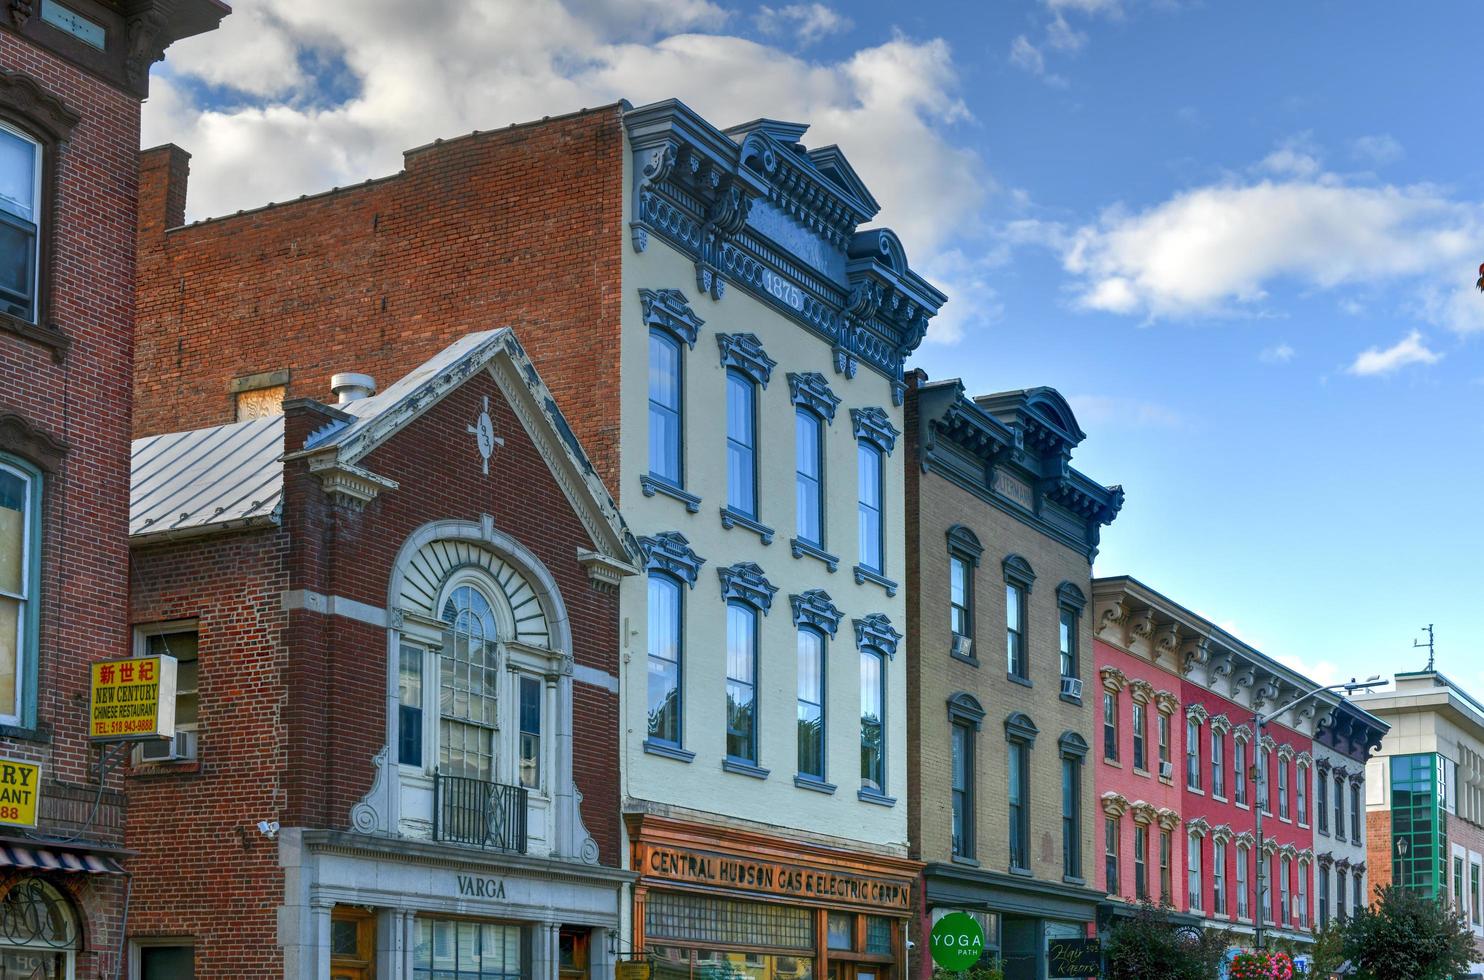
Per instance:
x=472, y=811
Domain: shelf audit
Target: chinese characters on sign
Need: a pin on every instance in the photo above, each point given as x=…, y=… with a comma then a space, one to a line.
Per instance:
x=133, y=699
x=20, y=783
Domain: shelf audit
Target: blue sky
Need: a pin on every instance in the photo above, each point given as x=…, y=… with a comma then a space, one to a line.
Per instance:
x=1241, y=238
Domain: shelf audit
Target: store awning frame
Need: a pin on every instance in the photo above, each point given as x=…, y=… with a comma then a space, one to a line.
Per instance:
x=28, y=858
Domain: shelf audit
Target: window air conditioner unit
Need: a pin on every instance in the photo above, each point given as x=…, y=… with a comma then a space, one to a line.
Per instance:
x=1071, y=687
x=1166, y=770
x=963, y=646
x=177, y=749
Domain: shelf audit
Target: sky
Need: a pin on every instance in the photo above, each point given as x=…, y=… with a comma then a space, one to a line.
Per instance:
x=1242, y=239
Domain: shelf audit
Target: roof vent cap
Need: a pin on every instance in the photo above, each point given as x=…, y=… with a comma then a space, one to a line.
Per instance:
x=348, y=387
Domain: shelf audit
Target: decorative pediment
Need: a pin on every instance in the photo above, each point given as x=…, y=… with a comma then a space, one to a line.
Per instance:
x=1140, y=691
x=1246, y=839
x=1342, y=864
x=1114, y=680
x=745, y=582
x=1325, y=860
x=1114, y=805
x=1285, y=753
x=31, y=442
x=669, y=310
x=964, y=707
x=876, y=632
x=671, y=553
x=1241, y=733
x=1222, y=833
x=24, y=96
x=965, y=542
x=1166, y=702
x=1069, y=596
x=1020, y=728
x=1220, y=724
x=1288, y=851
x=1306, y=855
x=1305, y=759
x=1270, y=847
x=814, y=608
x=809, y=390
x=744, y=352
x=1197, y=712
x=1018, y=571
x=1198, y=827
x=873, y=425
x=1357, y=777
x=1143, y=813
x=1072, y=745
x=1267, y=744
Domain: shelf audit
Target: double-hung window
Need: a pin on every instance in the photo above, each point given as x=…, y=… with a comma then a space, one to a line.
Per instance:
x=529, y=697
x=960, y=613
x=1015, y=630
x=1163, y=726
x=1357, y=882
x=20, y=218
x=741, y=444
x=811, y=703
x=1111, y=883
x=1321, y=801
x=1073, y=751
x=1068, y=642
x=963, y=789
x=871, y=531
x=1282, y=788
x=1140, y=714
x=665, y=408
x=1019, y=778
x=1193, y=754
x=1218, y=764
x=809, y=476
x=183, y=642
x=1166, y=855
x=1110, y=726
x=1141, y=861
x=1193, y=873
x=1218, y=877
x=20, y=574
x=1301, y=792
x=1340, y=894
x=1355, y=812
x=741, y=722
x=1285, y=909
x=1244, y=910
x=1239, y=771
x=1340, y=808
x=873, y=721
x=1323, y=887
x=665, y=660
x=1264, y=761
x=1302, y=912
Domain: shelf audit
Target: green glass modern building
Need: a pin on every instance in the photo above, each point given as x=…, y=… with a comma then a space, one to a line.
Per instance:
x=1419, y=824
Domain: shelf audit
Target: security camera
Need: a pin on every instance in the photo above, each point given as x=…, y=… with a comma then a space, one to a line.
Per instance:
x=268, y=828
x=911, y=945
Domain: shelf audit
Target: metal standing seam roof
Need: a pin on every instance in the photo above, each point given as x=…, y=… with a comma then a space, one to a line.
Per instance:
x=222, y=476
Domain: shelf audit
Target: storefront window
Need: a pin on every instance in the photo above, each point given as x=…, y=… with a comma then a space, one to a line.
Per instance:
x=680, y=963
x=37, y=932
x=878, y=935
x=841, y=931
x=454, y=950
x=670, y=916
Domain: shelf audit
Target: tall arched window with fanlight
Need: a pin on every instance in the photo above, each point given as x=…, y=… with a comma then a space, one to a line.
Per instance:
x=467, y=685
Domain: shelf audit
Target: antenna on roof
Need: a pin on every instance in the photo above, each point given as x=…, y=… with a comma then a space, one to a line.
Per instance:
x=1417, y=644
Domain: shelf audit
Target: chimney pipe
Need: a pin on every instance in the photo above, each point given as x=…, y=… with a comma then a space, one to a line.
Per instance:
x=348, y=387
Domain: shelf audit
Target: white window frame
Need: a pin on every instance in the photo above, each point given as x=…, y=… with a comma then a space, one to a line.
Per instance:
x=27, y=620
x=37, y=197
x=138, y=945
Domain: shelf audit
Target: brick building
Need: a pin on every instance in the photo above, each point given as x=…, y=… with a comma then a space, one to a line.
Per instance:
x=71, y=81
x=699, y=300
x=398, y=743
x=1425, y=794
x=1208, y=839
x=1001, y=537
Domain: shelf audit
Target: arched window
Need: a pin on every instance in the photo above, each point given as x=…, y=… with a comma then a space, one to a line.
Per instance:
x=468, y=681
x=37, y=918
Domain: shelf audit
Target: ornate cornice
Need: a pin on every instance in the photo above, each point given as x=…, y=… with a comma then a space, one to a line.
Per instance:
x=1166, y=703
x=1270, y=847
x=1140, y=691
x=1325, y=860
x=1241, y=733
x=1115, y=805
x=1199, y=827
x=1197, y=712
x=670, y=552
x=1267, y=744
x=814, y=608
x=876, y=632
x=745, y=582
x=1220, y=724
x=873, y=425
x=1285, y=753
x=1322, y=765
x=1168, y=819
x=669, y=310
x=1288, y=851
x=1305, y=759
x=751, y=207
x=744, y=352
x=809, y=389
x=1164, y=640
x=346, y=483
x=1109, y=614
x=1221, y=833
x=1143, y=813
x=1114, y=680
x=1246, y=839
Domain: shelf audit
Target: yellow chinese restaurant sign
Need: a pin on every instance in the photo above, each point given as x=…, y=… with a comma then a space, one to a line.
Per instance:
x=20, y=787
x=133, y=700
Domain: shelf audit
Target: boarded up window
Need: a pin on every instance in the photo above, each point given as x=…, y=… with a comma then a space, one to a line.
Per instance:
x=260, y=403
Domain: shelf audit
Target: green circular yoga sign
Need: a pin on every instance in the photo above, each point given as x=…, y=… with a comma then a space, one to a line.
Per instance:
x=956, y=942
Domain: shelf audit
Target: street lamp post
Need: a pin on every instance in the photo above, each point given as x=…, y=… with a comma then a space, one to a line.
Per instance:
x=1260, y=777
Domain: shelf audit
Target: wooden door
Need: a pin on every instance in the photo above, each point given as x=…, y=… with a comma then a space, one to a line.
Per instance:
x=352, y=944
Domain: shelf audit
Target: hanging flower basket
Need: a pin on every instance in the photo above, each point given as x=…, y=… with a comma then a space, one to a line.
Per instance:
x=1261, y=966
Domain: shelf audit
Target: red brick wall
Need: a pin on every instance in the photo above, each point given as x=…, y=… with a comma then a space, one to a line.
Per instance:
x=203, y=869
x=292, y=704
x=82, y=401
x=515, y=227
x=1378, y=848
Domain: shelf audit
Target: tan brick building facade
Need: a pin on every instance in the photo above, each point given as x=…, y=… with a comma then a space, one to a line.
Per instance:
x=1000, y=697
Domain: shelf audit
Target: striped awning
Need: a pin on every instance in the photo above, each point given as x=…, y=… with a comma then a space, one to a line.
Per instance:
x=42, y=859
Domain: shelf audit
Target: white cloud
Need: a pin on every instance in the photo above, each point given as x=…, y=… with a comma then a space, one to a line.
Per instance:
x=1105, y=411
x=807, y=22
x=1409, y=350
x=1024, y=54
x=1112, y=7
x=1218, y=248
x=1277, y=354
x=1295, y=157
x=1377, y=149
x=479, y=66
